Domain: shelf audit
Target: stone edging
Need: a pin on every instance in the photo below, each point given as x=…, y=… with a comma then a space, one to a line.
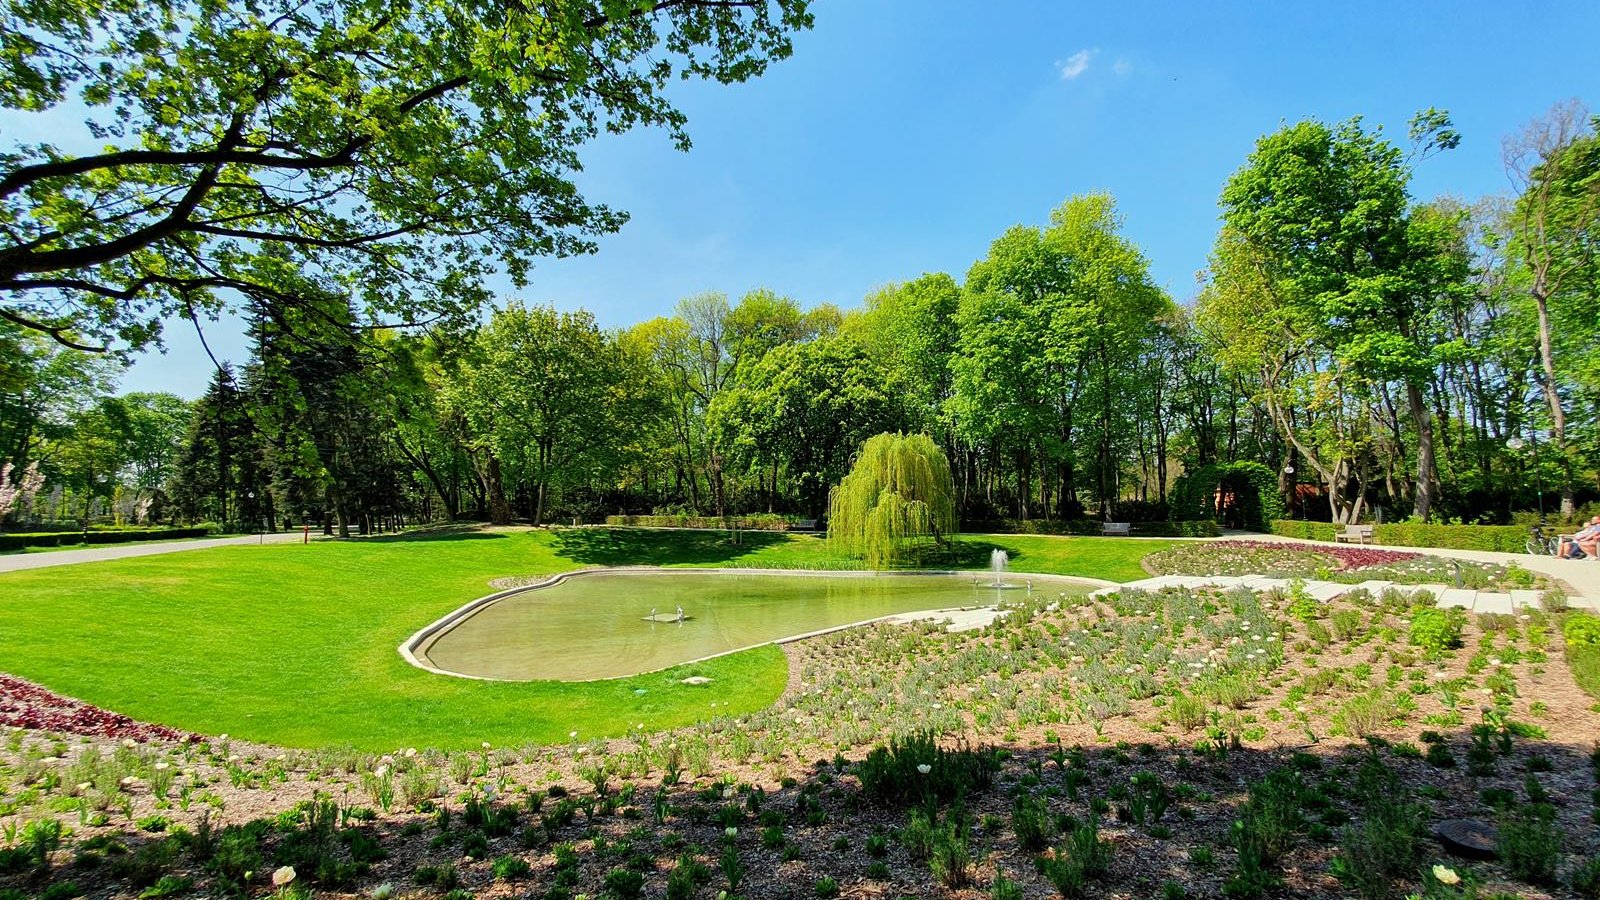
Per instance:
x=413, y=648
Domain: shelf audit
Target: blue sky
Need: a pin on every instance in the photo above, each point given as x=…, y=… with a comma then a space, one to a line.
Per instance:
x=905, y=135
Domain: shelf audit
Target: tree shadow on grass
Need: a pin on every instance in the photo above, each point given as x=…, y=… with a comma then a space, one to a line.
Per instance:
x=963, y=554
x=657, y=546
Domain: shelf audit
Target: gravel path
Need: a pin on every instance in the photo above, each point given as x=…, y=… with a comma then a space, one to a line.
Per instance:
x=16, y=562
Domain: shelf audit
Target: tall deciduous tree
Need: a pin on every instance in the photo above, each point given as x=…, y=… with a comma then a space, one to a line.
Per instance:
x=1325, y=212
x=409, y=147
x=542, y=388
x=1555, y=163
x=1050, y=315
x=805, y=408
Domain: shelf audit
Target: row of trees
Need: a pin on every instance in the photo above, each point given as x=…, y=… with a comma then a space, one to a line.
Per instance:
x=1437, y=358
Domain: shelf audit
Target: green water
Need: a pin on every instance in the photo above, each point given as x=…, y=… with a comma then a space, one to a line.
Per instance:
x=592, y=626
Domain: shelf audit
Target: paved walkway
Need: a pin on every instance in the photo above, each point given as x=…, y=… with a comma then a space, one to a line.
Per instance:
x=16, y=562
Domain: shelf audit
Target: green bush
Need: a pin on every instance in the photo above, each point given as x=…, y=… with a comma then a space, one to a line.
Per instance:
x=1586, y=878
x=1091, y=527
x=1305, y=531
x=1084, y=857
x=1530, y=843
x=1501, y=538
x=1435, y=630
x=916, y=770
x=1581, y=629
x=757, y=522
x=68, y=538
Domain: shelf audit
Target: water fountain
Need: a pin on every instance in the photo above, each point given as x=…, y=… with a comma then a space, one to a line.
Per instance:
x=998, y=560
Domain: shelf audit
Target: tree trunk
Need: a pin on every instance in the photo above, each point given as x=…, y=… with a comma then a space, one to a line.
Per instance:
x=1427, y=475
x=1558, y=416
x=499, y=510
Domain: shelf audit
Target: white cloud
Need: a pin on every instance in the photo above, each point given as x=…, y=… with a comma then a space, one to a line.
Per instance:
x=1076, y=64
x=1122, y=66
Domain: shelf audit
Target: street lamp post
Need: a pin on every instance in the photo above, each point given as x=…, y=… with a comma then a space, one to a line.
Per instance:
x=1294, y=492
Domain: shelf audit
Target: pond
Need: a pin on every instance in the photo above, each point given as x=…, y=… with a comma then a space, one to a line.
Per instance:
x=597, y=624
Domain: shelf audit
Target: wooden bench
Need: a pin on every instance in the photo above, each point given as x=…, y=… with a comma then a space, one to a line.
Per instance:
x=805, y=525
x=1122, y=529
x=1354, y=534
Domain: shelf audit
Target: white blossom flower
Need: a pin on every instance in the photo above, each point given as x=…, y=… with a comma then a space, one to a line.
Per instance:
x=924, y=768
x=283, y=876
x=1446, y=875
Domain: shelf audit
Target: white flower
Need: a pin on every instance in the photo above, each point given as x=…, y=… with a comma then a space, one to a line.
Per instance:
x=381, y=771
x=161, y=766
x=129, y=743
x=486, y=744
x=1446, y=875
x=410, y=752
x=283, y=876
x=573, y=735
x=924, y=768
x=84, y=786
x=731, y=831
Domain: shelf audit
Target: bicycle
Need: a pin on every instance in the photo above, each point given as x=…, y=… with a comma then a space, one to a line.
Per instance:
x=1541, y=544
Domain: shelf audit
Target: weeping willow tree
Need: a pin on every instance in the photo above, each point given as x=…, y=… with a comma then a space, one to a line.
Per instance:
x=896, y=497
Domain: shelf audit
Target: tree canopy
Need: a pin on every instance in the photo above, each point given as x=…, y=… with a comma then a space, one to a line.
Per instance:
x=898, y=494
x=396, y=152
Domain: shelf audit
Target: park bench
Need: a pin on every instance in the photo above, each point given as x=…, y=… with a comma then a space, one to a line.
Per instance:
x=805, y=524
x=1354, y=534
x=1124, y=529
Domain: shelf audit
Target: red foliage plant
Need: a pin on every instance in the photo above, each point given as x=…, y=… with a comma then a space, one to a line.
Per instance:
x=1348, y=557
x=26, y=705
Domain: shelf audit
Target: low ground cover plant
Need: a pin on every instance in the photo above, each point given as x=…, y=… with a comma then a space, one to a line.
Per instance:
x=1259, y=747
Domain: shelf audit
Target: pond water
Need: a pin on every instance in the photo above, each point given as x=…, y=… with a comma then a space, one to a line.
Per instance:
x=594, y=625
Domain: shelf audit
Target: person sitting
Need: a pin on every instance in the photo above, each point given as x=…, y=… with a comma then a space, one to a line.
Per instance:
x=1586, y=542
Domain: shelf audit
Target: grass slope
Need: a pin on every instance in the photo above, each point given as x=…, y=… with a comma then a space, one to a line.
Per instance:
x=295, y=645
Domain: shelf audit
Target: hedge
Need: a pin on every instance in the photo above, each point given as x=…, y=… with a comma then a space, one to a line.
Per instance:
x=748, y=523
x=1502, y=538
x=68, y=538
x=1193, y=528
x=1254, y=487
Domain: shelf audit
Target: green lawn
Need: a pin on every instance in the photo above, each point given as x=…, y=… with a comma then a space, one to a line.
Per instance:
x=296, y=645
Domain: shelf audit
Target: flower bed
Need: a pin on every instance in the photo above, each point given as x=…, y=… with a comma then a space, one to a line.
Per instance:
x=1336, y=564
x=26, y=705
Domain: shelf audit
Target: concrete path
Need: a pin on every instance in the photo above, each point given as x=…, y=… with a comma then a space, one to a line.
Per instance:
x=1581, y=575
x=16, y=562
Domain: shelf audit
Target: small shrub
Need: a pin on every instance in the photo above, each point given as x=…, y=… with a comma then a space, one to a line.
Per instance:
x=511, y=868
x=1084, y=857
x=1366, y=713
x=1186, y=711
x=916, y=770
x=1581, y=629
x=951, y=860
x=1530, y=843
x=1031, y=821
x=1003, y=888
x=1585, y=879
x=826, y=888
x=1435, y=630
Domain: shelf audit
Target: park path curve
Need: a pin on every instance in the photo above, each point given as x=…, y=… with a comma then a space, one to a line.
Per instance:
x=17, y=562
